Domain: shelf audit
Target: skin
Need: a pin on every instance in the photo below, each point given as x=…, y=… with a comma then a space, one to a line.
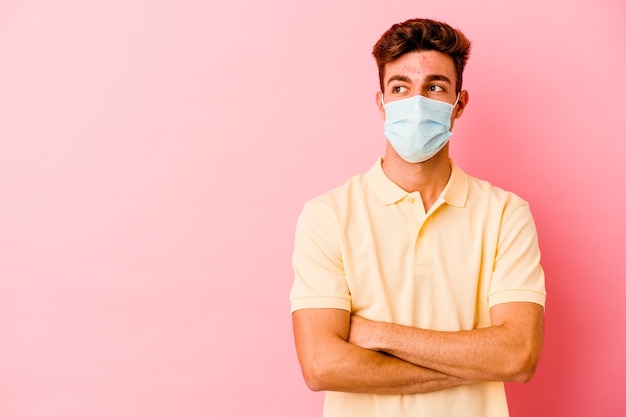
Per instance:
x=330, y=363
x=507, y=351
x=338, y=352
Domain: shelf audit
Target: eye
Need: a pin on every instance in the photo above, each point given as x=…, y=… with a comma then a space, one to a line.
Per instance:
x=436, y=88
x=398, y=89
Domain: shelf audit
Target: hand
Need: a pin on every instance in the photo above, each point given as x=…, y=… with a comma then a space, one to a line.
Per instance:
x=363, y=332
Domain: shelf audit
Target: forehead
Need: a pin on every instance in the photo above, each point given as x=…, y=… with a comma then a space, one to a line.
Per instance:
x=420, y=64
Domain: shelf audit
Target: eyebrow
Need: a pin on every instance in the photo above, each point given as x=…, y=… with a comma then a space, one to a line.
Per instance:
x=403, y=78
x=438, y=77
x=432, y=77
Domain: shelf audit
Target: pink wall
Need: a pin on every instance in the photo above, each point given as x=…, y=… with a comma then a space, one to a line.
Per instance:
x=155, y=155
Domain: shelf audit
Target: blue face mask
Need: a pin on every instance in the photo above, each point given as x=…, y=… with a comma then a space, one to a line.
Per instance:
x=418, y=127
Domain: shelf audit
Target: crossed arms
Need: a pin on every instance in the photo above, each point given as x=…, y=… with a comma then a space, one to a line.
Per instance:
x=338, y=352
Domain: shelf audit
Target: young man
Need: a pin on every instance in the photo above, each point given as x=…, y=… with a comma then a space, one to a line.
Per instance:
x=418, y=288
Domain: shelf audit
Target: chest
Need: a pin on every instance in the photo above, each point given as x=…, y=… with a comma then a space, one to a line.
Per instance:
x=427, y=270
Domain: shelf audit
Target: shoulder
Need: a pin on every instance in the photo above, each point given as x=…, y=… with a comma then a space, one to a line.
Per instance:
x=326, y=211
x=485, y=190
x=338, y=199
x=496, y=203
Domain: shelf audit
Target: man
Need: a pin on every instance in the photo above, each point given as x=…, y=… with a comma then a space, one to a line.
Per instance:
x=418, y=289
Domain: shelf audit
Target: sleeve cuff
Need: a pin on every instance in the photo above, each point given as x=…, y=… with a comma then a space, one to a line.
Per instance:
x=517, y=296
x=320, y=302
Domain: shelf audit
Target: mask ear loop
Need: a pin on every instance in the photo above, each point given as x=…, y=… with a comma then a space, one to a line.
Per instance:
x=455, y=103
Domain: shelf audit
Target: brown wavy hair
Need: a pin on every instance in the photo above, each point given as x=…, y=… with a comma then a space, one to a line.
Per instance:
x=422, y=35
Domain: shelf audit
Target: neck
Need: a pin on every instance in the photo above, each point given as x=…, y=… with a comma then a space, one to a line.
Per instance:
x=429, y=178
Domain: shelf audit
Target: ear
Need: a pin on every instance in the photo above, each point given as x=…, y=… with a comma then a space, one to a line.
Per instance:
x=460, y=106
x=380, y=105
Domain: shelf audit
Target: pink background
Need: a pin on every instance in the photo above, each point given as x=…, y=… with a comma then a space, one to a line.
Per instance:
x=154, y=157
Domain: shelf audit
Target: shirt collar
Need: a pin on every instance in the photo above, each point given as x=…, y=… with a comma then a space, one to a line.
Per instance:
x=455, y=193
